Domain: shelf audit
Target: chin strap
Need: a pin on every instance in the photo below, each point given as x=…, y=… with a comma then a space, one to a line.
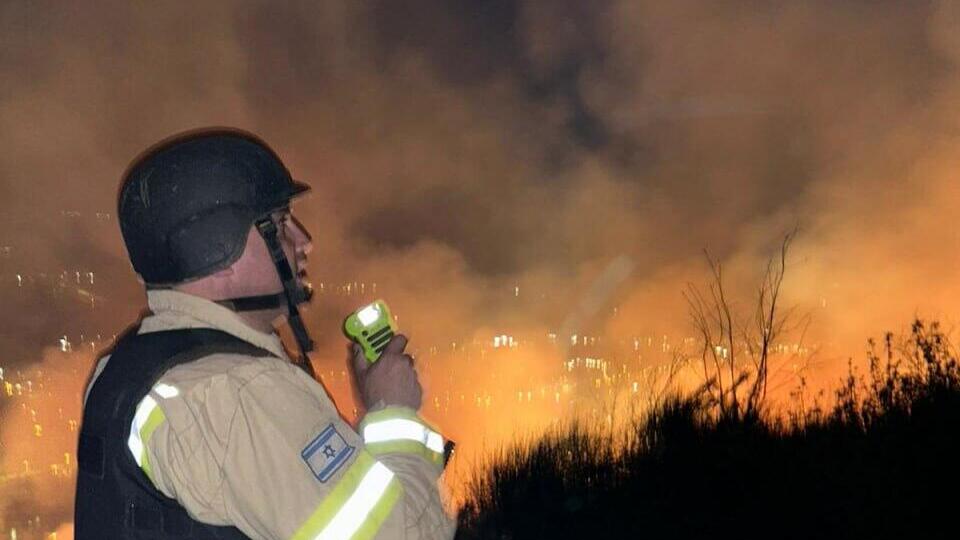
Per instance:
x=292, y=295
x=255, y=303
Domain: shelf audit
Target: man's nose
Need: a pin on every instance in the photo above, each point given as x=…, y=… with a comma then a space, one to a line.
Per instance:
x=301, y=238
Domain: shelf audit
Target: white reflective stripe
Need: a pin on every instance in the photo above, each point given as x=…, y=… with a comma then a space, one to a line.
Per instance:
x=402, y=429
x=354, y=512
x=435, y=442
x=392, y=430
x=166, y=391
x=139, y=419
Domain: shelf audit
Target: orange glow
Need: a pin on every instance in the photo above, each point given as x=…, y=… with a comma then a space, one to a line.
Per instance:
x=532, y=181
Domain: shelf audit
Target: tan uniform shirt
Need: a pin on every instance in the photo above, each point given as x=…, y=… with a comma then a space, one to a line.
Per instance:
x=255, y=443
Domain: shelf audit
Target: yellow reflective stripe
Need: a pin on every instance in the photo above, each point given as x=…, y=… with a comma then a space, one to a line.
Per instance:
x=391, y=413
x=378, y=514
x=153, y=422
x=146, y=419
x=334, y=500
x=357, y=505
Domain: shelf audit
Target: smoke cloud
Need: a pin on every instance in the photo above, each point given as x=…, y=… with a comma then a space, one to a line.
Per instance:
x=485, y=163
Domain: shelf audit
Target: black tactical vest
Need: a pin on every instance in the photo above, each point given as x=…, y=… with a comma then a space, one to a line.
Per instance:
x=115, y=498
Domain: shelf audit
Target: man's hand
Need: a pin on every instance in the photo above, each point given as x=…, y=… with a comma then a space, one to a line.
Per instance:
x=389, y=382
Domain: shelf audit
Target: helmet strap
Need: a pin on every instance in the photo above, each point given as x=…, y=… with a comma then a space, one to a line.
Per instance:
x=255, y=303
x=294, y=293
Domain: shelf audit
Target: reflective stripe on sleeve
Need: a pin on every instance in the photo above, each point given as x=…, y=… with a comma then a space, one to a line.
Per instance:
x=166, y=391
x=435, y=442
x=357, y=506
x=399, y=430
x=145, y=421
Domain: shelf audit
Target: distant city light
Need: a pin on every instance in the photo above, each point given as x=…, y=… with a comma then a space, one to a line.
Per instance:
x=504, y=340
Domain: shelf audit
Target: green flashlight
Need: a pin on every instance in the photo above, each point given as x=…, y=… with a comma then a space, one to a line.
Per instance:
x=371, y=327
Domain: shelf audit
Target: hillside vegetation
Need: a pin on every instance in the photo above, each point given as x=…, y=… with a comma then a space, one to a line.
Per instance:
x=881, y=462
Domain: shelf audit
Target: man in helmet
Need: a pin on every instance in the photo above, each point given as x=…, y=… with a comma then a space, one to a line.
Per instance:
x=198, y=425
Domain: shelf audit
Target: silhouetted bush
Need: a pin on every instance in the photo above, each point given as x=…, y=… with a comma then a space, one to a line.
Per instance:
x=881, y=463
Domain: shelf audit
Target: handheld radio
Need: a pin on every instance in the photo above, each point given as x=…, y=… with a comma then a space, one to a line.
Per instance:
x=371, y=327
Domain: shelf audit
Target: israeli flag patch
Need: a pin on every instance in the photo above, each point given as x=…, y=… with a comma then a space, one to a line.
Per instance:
x=327, y=453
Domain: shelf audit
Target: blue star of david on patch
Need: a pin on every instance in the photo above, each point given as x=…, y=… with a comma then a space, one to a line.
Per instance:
x=326, y=453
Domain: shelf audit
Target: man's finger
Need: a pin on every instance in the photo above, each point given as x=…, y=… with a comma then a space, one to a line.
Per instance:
x=358, y=362
x=396, y=345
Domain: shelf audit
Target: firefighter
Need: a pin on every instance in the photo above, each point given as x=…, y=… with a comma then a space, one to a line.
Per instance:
x=198, y=424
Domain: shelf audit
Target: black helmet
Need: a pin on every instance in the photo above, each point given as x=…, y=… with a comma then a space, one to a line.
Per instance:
x=186, y=207
x=187, y=204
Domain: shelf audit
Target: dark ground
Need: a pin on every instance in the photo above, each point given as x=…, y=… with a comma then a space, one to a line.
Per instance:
x=882, y=463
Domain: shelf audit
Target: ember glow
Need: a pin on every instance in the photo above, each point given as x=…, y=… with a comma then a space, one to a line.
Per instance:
x=528, y=184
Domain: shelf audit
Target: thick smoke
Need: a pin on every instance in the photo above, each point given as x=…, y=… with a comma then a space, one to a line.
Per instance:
x=485, y=162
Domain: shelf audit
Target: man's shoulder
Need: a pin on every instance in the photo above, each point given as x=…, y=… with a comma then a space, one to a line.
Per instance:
x=201, y=399
x=228, y=372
